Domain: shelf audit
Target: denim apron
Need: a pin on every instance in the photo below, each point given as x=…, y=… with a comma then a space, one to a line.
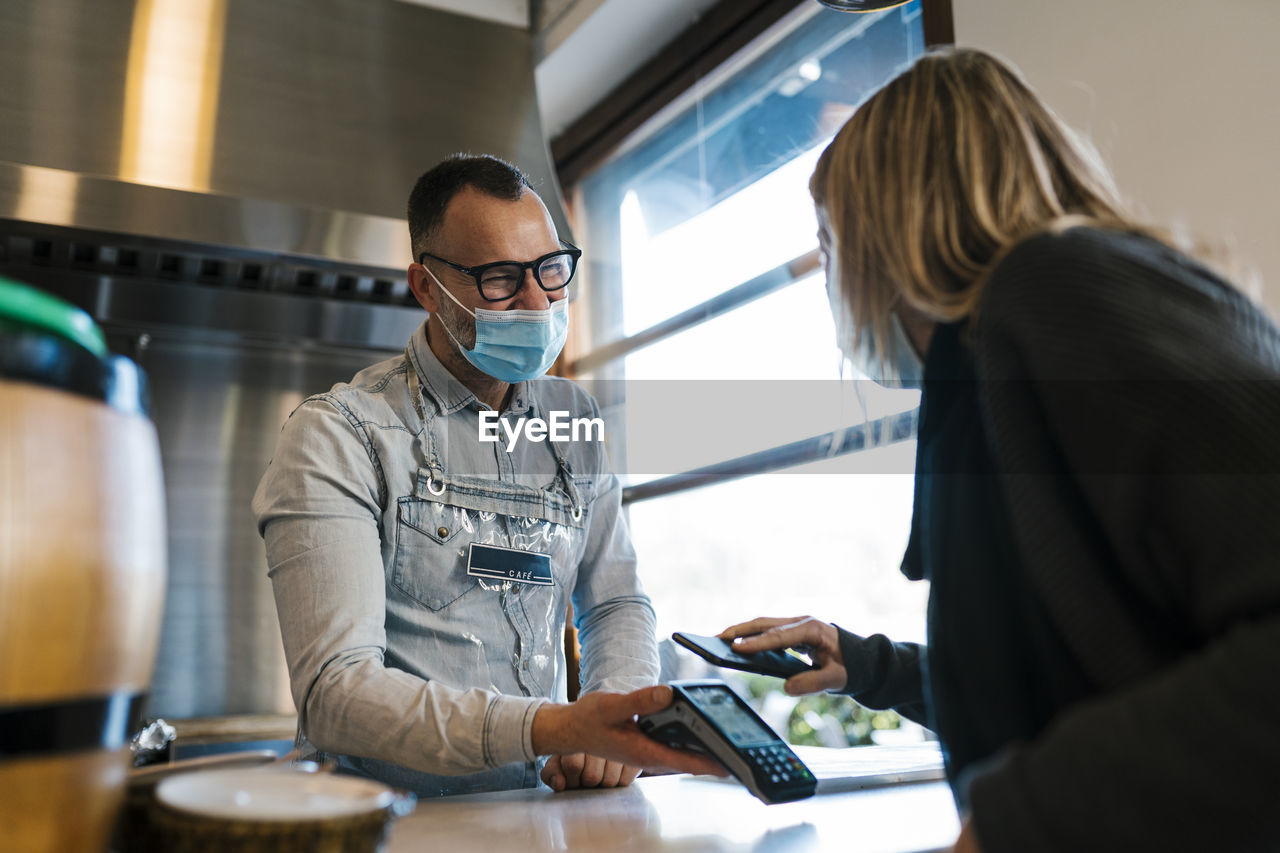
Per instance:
x=465, y=631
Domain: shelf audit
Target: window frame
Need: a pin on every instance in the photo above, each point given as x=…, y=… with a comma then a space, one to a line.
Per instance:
x=702, y=50
x=709, y=49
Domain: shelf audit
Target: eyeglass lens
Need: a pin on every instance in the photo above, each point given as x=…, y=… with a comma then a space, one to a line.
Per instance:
x=502, y=282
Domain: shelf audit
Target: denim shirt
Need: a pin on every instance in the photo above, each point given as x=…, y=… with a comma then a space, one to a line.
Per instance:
x=403, y=666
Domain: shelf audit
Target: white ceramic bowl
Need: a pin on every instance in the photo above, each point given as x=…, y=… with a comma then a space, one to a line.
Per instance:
x=273, y=810
x=272, y=794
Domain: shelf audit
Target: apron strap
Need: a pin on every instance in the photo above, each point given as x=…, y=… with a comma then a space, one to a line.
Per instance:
x=565, y=472
x=429, y=454
x=432, y=459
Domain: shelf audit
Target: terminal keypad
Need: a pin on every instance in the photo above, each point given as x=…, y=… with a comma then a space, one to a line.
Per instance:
x=778, y=764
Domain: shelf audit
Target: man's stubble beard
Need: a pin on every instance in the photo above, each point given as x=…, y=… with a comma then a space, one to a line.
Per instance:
x=455, y=320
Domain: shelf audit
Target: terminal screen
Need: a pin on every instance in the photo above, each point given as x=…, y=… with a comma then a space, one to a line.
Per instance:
x=736, y=721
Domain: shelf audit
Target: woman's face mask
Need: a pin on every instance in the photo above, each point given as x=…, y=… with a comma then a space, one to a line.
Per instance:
x=513, y=345
x=903, y=366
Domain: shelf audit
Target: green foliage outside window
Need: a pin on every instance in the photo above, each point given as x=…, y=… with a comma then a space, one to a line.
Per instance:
x=816, y=718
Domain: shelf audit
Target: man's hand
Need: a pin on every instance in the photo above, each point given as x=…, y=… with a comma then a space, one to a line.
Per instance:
x=586, y=771
x=820, y=641
x=604, y=725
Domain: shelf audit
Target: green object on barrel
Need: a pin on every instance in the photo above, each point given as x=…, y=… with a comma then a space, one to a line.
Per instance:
x=25, y=307
x=47, y=341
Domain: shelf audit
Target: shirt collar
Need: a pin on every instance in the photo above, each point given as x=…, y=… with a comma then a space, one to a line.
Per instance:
x=445, y=391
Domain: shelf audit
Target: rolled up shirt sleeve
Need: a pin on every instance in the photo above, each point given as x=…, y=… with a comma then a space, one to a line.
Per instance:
x=318, y=508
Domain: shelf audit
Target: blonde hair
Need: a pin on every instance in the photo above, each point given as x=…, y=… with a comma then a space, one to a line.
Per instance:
x=937, y=175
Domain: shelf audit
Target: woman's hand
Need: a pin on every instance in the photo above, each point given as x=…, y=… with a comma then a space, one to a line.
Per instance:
x=819, y=640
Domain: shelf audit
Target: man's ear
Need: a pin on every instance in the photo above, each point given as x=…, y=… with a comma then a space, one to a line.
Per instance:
x=424, y=287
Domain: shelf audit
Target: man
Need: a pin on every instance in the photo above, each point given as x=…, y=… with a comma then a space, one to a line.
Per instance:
x=422, y=576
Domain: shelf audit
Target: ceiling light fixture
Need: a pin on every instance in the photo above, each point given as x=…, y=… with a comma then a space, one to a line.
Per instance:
x=861, y=5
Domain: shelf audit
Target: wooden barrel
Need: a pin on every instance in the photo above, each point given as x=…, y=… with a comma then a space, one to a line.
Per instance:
x=82, y=577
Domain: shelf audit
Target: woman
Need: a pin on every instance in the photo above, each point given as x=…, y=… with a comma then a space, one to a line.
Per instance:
x=1097, y=503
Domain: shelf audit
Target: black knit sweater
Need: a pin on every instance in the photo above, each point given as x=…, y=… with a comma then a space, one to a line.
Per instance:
x=1098, y=511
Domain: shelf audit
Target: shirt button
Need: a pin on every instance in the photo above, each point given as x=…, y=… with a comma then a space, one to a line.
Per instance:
x=442, y=532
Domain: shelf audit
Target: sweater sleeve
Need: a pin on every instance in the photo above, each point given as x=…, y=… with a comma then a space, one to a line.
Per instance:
x=884, y=674
x=1132, y=397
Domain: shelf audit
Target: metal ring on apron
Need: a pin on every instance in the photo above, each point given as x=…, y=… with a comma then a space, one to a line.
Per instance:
x=431, y=483
x=577, y=509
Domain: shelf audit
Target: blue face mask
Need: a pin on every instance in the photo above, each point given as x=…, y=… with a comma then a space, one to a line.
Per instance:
x=902, y=367
x=514, y=345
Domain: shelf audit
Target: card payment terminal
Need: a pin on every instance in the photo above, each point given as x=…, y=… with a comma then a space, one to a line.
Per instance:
x=709, y=717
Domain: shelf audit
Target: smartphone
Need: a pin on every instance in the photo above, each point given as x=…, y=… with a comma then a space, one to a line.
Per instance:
x=707, y=716
x=717, y=651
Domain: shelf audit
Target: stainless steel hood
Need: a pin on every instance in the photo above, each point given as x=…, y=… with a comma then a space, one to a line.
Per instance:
x=233, y=131
x=222, y=184
x=330, y=104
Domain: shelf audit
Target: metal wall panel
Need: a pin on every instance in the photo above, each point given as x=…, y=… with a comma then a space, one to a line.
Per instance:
x=218, y=408
x=222, y=184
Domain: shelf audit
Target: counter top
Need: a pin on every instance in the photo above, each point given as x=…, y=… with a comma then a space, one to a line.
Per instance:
x=685, y=814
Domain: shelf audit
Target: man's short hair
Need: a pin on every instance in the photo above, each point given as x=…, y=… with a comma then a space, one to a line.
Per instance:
x=437, y=187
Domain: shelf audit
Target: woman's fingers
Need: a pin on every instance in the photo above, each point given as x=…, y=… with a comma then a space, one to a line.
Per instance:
x=818, y=636
x=757, y=625
x=830, y=677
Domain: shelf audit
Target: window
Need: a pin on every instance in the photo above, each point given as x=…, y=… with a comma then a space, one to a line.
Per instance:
x=763, y=478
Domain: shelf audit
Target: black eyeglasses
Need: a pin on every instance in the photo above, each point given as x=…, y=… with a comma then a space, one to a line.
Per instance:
x=502, y=279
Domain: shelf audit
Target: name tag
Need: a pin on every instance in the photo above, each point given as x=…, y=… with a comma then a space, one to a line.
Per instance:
x=509, y=564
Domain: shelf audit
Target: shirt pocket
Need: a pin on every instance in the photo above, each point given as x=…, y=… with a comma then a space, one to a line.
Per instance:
x=430, y=564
